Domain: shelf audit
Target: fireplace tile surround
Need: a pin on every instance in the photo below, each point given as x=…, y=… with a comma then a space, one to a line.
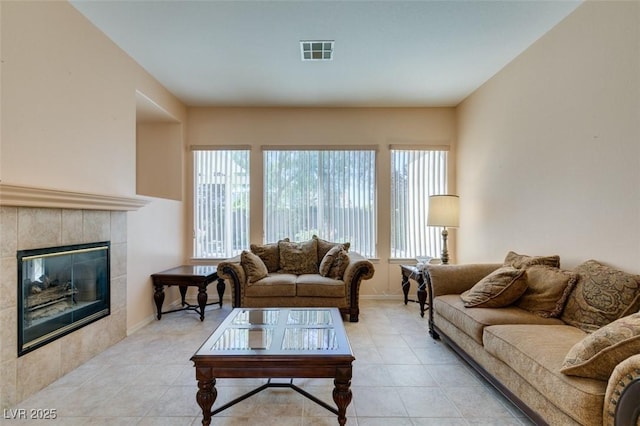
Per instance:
x=24, y=228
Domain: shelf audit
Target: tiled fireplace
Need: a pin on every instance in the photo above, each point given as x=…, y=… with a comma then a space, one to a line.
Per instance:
x=28, y=228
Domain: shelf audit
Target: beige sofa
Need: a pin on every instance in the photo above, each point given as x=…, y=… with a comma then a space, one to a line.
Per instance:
x=556, y=369
x=314, y=273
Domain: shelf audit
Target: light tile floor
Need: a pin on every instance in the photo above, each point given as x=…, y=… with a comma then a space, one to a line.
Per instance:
x=401, y=377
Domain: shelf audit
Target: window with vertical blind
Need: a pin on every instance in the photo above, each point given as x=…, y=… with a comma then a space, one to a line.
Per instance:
x=221, y=202
x=415, y=175
x=326, y=192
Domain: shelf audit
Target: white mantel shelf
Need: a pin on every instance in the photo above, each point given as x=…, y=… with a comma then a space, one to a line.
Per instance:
x=27, y=196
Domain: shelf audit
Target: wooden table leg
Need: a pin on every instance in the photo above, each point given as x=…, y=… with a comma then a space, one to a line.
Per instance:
x=342, y=393
x=405, y=287
x=220, y=287
x=202, y=299
x=206, y=396
x=422, y=295
x=183, y=294
x=158, y=296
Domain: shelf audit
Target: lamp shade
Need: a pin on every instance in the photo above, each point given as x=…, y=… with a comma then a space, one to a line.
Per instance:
x=444, y=210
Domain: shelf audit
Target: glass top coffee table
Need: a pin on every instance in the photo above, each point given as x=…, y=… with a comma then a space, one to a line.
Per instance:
x=276, y=343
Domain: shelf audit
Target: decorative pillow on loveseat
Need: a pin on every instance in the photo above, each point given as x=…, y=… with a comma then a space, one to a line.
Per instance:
x=500, y=288
x=299, y=257
x=597, y=355
x=269, y=253
x=253, y=266
x=602, y=295
x=334, y=263
x=324, y=246
x=520, y=261
x=547, y=290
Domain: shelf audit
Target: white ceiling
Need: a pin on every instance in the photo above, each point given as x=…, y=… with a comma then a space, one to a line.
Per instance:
x=387, y=53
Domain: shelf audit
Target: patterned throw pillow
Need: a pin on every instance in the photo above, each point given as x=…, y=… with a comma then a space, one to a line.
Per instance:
x=500, y=288
x=520, y=261
x=299, y=257
x=547, y=290
x=601, y=295
x=253, y=266
x=324, y=246
x=334, y=263
x=597, y=355
x=269, y=254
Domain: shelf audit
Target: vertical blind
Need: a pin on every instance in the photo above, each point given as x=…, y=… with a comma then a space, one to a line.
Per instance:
x=221, y=203
x=329, y=193
x=415, y=175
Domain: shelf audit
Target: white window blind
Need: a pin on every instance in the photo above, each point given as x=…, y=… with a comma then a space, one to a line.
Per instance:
x=415, y=175
x=221, y=203
x=329, y=193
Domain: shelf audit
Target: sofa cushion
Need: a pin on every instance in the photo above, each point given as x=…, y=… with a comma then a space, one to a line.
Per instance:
x=253, y=266
x=299, y=257
x=536, y=353
x=324, y=246
x=602, y=295
x=522, y=260
x=547, y=290
x=472, y=321
x=315, y=285
x=500, y=288
x=334, y=263
x=274, y=285
x=269, y=254
x=601, y=351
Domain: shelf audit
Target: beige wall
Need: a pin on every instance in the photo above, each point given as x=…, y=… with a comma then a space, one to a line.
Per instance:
x=328, y=126
x=68, y=122
x=549, y=148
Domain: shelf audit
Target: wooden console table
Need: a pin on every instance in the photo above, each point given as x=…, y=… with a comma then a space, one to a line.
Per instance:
x=187, y=276
x=410, y=272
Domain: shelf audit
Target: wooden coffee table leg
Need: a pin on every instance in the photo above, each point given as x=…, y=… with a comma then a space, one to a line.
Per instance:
x=342, y=393
x=206, y=396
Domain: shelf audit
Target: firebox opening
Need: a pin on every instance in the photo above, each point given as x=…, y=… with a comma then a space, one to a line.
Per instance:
x=61, y=289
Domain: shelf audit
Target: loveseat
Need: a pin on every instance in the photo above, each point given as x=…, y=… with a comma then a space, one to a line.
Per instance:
x=313, y=273
x=563, y=346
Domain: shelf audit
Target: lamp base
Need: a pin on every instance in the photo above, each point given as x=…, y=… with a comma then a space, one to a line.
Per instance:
x=445, y=252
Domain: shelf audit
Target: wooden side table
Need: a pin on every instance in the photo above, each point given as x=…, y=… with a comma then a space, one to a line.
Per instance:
x=187, y=276
x=410, y=272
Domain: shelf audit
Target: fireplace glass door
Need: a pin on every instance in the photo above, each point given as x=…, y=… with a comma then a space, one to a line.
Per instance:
x=61, y=289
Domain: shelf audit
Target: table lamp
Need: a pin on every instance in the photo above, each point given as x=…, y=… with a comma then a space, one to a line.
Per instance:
x=444, y=210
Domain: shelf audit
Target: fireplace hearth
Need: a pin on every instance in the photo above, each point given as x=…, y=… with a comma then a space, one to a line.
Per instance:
x=61, y=289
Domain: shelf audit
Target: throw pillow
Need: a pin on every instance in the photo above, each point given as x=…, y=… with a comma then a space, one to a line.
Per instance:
x=299, y=257
x=597, y=355
x=334, y=263
x=522, y=260
x=324, y=246
x=602, y=295
x=253, y=266
x=547, y=290
x=269, y=254
x=339, y=265
x=500, y=288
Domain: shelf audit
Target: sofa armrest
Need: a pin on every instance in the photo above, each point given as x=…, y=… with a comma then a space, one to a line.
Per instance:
x=621, y=400
x=358, y=269
x=232, y=271
x=456, y=279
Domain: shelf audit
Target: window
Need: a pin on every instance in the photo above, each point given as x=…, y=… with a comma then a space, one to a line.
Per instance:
x=221, y=203
x=329, y=193
x=415, y=175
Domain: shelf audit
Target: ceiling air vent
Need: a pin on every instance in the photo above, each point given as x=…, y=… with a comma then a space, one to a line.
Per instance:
x=316, y=50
